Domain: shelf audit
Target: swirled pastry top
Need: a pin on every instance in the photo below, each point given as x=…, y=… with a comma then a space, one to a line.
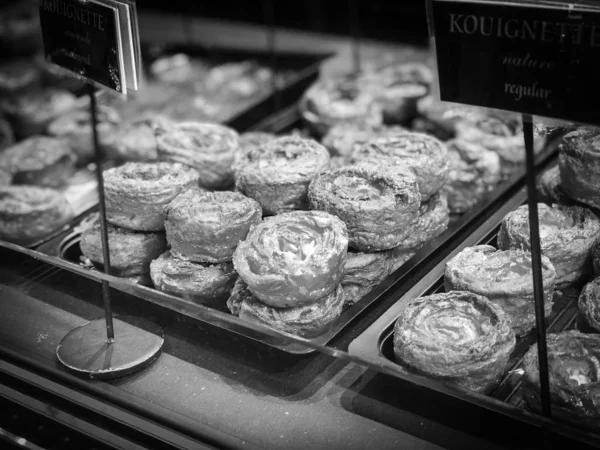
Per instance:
x=583, y=142
x=345, y=138
x=135, y=177
x=25, y=200
x=426, y=156
x=34, y=153
x=483, y=269
x=137, y=141
x=445, y=113
x=190, y=141
x=293, y=258
x=288, y=159
x=453, y=334
x=80, y=121
x=42, y=105
x=252, y=140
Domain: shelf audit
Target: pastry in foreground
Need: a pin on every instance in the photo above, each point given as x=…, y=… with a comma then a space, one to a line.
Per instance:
x=277, y=174
x=304, y=320
x=207, y=226
x=138, y=140
x=251, y=140
x=363, y=271
x=458, y=337
x=431, y=221
x=589, y=305
x=76, y=128
x=567, y=234
x=505, y=278
x=550, y=190
x=31, y=212
x=376, y=202
x=32, y=112
x=343, y=100
x=474, y=172
x=573, y=372
x=136, y=193
x=579, y=163
x=39, y=160
x=207, y=284
x=293, y=259
x=209, y=148
x=130, y=251
x=343, y=139
x=424, y=155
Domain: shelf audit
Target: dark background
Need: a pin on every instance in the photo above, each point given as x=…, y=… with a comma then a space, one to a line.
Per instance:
x=400, y=20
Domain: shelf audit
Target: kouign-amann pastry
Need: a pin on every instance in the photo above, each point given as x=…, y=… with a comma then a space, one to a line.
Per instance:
x=30, y=113
x=293, y=259
x=424, y=155
x=138, y=140
x=207, y=147
x=39, y=160
x=207, y=226
x=579, y=163
x=376, y=202
x=550, y=190
x=76, y=128
x=207, y=284
x=130, y=251
x=363, y=271
x=19, y=75
x=251, y=140
x=431, y=221
x=303, y=320
x=31, y=212
x=329, y=102
x=278, y=173
x=399, y=87
x=458, y=337
x=136, y=193
x=567, y=234
x=505, y=278
x=589, y=305
x=573, y=365
x=343, y=138
x=474, y=172
x=441, y=118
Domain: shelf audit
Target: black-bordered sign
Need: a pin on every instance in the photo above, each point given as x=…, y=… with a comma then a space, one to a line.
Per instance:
x=540, y=59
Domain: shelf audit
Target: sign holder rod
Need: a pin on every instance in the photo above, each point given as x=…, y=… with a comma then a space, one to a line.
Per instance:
x=536, y=261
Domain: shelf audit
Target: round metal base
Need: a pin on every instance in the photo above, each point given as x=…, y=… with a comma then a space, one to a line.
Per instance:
x=86, y=350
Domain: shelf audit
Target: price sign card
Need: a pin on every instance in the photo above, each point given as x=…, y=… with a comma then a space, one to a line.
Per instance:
x=519, y=56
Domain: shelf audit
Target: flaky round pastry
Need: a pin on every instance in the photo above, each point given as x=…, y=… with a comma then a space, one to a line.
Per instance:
x=136, y=193
x=458, y=337
x=505, y=278
x=573, y=368
x=39, y=160
x=138, y=140
x=278, y=173
x=207, y=226
x=31, y=212
x=550, y=190
x=207, y=147
x=424, y=155
x=251, y=140
x=344, y=100
x=567, y=234
x=31, y=112
x=207, y=284
x=130, y=251
x=474, y=172
x=304, y=320
x=76, y=128
x=441, y=118
x=589, y=305
x=343, y=138
x=376, y=202
x=431, y=221
x=579, y=163
x=293, y=259
x=363, y=271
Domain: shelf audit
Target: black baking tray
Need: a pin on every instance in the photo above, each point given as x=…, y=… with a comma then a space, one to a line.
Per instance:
x=294, y=73
x=65, y=248
x=375, y=344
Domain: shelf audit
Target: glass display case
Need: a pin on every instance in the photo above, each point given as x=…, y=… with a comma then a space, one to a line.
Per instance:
x=335, y=257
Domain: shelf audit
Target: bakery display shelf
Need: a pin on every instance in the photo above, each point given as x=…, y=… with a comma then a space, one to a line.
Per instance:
x=294, y=73
x=375, y=345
